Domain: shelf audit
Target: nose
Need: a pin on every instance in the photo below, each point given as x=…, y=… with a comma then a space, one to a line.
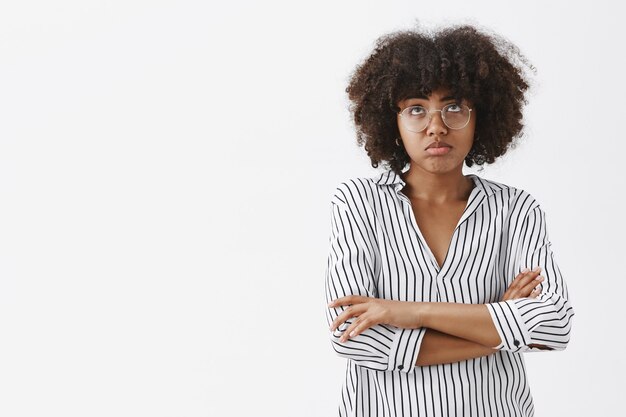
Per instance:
x=436, y=126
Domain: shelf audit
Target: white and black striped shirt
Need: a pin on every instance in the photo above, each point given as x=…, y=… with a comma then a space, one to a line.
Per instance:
x=377, y=250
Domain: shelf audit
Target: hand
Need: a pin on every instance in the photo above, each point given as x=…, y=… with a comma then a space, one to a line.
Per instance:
x=370, y=311
x=525, y=284
x=522, y=286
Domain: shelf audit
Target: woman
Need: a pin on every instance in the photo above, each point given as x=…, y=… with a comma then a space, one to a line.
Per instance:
x=438, y=282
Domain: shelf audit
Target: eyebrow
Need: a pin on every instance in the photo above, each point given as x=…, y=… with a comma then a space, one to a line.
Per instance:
x=426, y=98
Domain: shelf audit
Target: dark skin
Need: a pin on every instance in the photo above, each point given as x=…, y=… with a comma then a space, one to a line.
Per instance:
x=437, y=222
x=437, y=346
x=438, y=192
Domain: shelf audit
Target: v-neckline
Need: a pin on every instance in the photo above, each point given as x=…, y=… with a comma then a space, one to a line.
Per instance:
x=464, y=215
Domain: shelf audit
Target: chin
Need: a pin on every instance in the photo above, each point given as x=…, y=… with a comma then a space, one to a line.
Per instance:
x=440, y=166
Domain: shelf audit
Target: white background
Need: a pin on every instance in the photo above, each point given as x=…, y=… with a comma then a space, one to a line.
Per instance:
x=166, y=170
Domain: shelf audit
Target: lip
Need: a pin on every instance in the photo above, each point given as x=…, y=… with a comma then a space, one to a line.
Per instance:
x=438, y=148
x=438, y=144
x=441, y=150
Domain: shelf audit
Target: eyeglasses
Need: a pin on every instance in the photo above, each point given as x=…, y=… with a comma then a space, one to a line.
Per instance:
x=416, y=118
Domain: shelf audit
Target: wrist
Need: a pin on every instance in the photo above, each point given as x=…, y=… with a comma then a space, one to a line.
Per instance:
x=423, y=313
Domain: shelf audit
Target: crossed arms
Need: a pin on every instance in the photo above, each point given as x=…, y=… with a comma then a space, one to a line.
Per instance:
x=451, y=332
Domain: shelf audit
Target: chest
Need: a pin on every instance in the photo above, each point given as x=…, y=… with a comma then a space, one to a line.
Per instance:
x=437, y=224
x=453, y=253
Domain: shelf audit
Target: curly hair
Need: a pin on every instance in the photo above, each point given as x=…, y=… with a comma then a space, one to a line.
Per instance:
x=479, y=66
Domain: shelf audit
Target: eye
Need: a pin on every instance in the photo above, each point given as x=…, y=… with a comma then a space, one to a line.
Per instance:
x=454, y=107
x=416, y=111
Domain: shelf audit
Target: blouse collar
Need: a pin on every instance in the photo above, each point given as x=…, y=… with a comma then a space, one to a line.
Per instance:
x=389, y=177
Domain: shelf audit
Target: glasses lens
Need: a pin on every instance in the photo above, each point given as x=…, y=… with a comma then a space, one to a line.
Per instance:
x=456, y=116
x=415, y=118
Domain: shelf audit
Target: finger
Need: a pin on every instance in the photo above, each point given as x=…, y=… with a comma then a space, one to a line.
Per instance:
x=523, y=284
x=526, y=280
x=521, y=279
x=517, y=283
x=343, y=316
x=349, y=312
x=531, y=285
x=522, y=274
x=529, y=275
x=357, y=326
x=340, y=301
x=346, y=334
x=347, y=300
x=352, y=330
x=534, y=291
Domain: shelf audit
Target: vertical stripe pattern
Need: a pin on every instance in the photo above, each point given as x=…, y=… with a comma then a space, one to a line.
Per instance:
x=377, y=250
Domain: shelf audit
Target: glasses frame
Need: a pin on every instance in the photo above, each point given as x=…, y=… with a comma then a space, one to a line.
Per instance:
x=429, y=115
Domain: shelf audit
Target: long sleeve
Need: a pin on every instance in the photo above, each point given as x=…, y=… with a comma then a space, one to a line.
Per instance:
x=547, y=319
x=352, y=262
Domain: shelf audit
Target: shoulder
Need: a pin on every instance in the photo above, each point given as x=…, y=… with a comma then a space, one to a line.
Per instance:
x=509, y=194
x=352, y=191
x=517, y=203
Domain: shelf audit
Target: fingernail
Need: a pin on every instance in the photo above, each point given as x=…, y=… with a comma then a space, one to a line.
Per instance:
x=525, y=270
x=331, y=304
x=352, y=333
x=539, y=278
x=537, y=269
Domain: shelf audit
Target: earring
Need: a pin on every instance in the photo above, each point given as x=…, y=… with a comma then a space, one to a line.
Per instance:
x=397, y=143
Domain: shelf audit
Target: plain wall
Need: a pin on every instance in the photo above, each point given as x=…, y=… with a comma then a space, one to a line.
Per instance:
x=166, y=169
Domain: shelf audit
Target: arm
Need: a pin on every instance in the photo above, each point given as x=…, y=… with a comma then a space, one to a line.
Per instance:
x=467, y=321
x=438, y=347
x=520, y=324
x=350, y=271
x=534, y=324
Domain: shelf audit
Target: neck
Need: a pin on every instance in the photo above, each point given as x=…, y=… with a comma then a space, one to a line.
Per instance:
x=437, y=188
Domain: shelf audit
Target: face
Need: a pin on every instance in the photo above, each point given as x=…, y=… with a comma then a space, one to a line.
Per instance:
x=457, y=142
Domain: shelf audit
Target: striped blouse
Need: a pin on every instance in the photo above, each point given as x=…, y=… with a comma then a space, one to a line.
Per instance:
x=377, y=250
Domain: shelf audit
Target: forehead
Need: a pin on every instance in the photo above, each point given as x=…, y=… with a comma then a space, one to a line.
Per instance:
x=435, y=97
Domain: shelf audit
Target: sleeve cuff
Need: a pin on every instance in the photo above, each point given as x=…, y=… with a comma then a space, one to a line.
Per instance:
x=511, y=328
x=405, y=349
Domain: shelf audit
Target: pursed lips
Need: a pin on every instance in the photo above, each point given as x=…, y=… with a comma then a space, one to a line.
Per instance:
x=439, y=144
